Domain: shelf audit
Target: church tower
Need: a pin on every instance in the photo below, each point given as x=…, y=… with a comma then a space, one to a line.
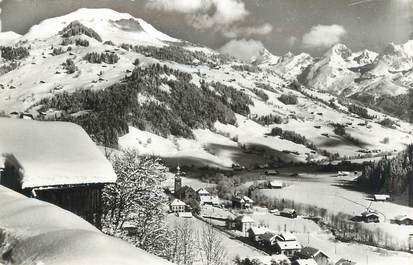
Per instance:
x=178, y=180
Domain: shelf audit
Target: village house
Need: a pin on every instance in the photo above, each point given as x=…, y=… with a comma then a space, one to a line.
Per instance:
x=381, y=197
x=369, y=217
x=312, y=253
x=186, y=193
x=288, y=248
x=241, y=223
x=177, y=206
x=290, y=213
x=271, y=260
x=275, y=184
x=56, y=162
x=268, y=239
x=402, y=220
x=241, y=202
x=287, y=244
x=304, y=262
x=205, y=198
x=254, y=233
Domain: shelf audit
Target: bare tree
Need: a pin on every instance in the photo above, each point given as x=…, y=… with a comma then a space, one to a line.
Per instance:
x=183, y=243
x=212, y=250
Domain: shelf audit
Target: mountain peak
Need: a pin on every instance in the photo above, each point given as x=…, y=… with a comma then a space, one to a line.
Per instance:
x=109, y=24
x=340, y=49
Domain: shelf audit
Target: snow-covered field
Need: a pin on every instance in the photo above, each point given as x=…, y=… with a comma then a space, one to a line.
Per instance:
x=324, y=191
x=35, y=232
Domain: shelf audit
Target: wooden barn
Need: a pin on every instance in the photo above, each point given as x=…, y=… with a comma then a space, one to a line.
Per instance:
x=56, y=162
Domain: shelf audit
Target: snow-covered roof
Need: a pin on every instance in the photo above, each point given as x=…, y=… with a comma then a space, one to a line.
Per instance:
x=285, y=245
x=41, y=233
x=185, y=214
x=368, y=213
x=287, y=236
x=288, y=210
x=381, y=196
x=202, y=191
x=52, y=153
x=306, y=262
x=402, y=217
x=268, y=260
x=247, y=199
x=177, y=202
x=258, y=230
x=276, y=183
x=245, y=219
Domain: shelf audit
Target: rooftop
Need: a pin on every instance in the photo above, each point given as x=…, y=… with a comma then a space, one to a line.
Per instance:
x=52, y=153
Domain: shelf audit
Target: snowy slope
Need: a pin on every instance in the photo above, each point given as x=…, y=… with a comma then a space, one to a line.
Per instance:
x=35, y=232
x=246, y=142
x=109, y=24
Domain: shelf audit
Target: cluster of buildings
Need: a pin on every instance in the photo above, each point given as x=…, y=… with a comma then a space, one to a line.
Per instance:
x=185, y=196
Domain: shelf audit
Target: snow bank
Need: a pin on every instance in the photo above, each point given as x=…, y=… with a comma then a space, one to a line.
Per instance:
x=53, y=153
x=35, y=232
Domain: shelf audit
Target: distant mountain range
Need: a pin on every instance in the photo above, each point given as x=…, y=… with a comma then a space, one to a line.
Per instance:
x=130, y=85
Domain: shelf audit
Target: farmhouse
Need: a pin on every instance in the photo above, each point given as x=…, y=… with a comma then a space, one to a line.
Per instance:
x=177, y=206
x=402, y=220
x=243, y=223
x=288, y=248
x=241, y=202
x=304, y=262
x=55, y=162
x=275, y=184
x=312, y=253
x=369, y=217
x=268, y=239
x=290, y=213
x=381, y=197
x=255, y=233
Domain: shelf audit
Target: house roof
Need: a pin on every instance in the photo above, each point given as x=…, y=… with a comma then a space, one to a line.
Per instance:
x=381, y=196
x=287, y=236
x=276, y=183
x=402, y=218
x=368, y=214
x=202, y=191
x=258, y=230
x=311, y=252
x=305, y=262
x=177, y=202
x=268, y=236
x=245, y=219
x=286, y=245
x=247, y=199
x=185, y=214
x=268, y=260
x=288, y=210
x=52, y=153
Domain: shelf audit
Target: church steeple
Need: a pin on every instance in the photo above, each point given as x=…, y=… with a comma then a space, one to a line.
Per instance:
x=178, y=180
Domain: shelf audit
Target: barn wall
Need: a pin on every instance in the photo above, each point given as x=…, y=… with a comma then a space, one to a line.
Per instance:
x=85, y=201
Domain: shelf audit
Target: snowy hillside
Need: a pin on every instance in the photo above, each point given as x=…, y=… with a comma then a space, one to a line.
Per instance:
x=35, y=232
x=130, y=85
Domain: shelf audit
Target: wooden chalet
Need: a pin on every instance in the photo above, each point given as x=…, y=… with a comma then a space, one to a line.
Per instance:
x=56, y=162
x=402, y=220
x=312, y=253
x=370, y=217
x=290, y=213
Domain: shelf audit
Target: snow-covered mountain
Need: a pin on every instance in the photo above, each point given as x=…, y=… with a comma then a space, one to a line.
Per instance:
x=119, y=77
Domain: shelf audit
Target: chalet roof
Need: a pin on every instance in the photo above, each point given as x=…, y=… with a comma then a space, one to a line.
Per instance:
x=185, y=214
x=368, y=214
x=305, y=262
x=381, y=196
x=286, y=245
x=268, y=260
x=268, y=236
x=287, y=236
x=245, y=219
x=52, y=153
x=311, y=252
x=258, y=230
x=276, y=183
x=202, y=191
x=177, y=202
x=247, y=199
x=345, y=262
x=288, y=211
x=402, y=218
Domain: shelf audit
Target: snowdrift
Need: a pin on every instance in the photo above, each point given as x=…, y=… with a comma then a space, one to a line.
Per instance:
x=35, y=232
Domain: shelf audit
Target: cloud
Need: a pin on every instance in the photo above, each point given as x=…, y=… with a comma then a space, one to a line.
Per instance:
x=180, y=6
x=322, y=36
x=223, y=16
x=292, y=40
x=236, y=32
x=243, y=49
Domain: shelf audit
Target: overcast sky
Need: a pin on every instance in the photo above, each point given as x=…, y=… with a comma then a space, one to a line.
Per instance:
x=279, y=25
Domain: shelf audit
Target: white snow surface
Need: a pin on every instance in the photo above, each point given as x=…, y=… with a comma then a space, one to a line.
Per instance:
x=41, y=233
x=53, y=153
x=103, y=21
